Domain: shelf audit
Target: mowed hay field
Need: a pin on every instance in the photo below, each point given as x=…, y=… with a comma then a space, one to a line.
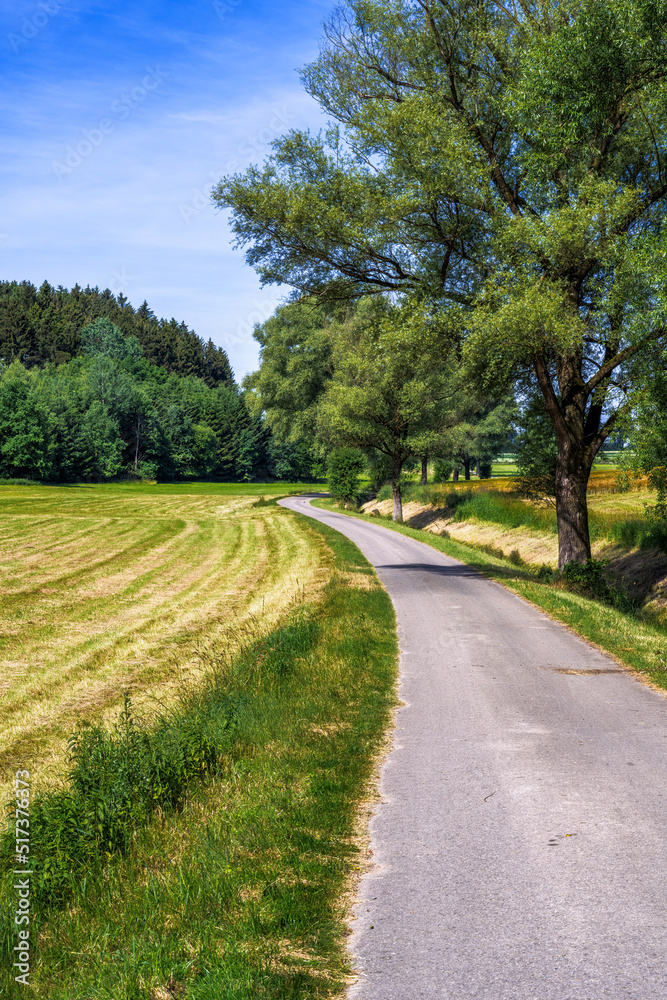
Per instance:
x=113, y=589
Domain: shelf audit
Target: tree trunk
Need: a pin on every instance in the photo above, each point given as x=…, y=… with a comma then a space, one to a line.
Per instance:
x=136, y=450
x=572, y=473
x=466, y=469
x=576, y=411
x=398, y=501
x=477, y=472
x=424, y=478
x=455, y=475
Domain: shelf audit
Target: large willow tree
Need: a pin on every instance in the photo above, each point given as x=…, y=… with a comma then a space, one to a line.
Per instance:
x=506, y=159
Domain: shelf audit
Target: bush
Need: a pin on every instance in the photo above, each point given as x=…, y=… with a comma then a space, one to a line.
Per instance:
x=442, y=470
x=590, y=579
x=345, y=467
x=485, y=470
x=492, y=550
x=657, y=480
x=117, y=781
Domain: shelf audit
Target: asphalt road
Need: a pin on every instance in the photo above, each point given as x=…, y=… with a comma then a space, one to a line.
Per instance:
x=520, y=845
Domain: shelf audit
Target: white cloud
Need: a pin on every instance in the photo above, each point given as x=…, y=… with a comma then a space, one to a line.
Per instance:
x=131, y=208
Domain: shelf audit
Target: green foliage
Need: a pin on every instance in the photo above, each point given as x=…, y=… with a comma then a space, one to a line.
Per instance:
x=477, y=429
x=99, y=442
x=26, y=427
x=592, y=580
x=49, y=325
x=110, y=413
x=298, y=461
x=344, y=469
x=546, y=574
x=103, y=337
x=503, y=162
x=380, y=467
x=648, y=441
x=295, y=364
x=387, y=393
x=442, y=470
x=657, y=480
x=536, y=454
x=589, y=578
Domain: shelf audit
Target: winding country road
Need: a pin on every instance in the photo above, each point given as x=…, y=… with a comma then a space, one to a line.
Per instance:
x=520, y=845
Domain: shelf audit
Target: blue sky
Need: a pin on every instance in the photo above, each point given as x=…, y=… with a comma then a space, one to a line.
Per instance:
x=118, y=118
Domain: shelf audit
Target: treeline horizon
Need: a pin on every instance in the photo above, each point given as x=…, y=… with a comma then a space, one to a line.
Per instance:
x=43, y=325
x=148, y=399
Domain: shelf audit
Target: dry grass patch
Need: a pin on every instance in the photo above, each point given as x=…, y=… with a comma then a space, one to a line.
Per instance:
x=535, y=547
x=104, y=593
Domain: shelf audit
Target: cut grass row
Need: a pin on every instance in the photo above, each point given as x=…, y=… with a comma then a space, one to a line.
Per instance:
x=239, y=893
x=105, y=590
x=638, y=644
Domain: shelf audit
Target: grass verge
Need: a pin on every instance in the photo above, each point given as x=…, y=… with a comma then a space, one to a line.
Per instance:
x=608, y=518
x=228, y=884
x=636, y=643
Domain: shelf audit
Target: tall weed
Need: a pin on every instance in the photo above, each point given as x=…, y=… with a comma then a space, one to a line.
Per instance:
x=486, y=505
x=119, y=778
x=499, y=507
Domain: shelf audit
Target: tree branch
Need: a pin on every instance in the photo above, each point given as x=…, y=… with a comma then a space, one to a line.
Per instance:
x=550, y=400
x=607, y=368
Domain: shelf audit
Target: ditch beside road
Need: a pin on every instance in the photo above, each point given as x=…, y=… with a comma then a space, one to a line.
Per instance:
x=519, y=846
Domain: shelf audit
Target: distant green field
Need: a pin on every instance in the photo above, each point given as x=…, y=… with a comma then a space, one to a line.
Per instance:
x=175, y=489
x=503, y=468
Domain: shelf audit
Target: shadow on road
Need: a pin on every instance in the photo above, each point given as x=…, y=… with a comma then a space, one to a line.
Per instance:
x=460, y=570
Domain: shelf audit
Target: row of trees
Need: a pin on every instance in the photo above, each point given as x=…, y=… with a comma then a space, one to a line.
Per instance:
x=495, y=174
x=43, y=325
x=110, y=411
x=364, y=375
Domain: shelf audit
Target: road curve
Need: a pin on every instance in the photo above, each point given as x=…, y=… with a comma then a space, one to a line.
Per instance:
x=520, y=847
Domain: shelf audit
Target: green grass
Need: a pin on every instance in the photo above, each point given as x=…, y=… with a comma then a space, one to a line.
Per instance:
x=113, y=587
x=476, y=503
x=205, y=488
x=233, y=889
x=635, y=642
x=607, y=515
x=504, y=468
